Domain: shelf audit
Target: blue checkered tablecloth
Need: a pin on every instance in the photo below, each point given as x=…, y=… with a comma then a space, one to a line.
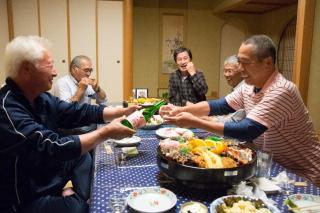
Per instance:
x=142, y=171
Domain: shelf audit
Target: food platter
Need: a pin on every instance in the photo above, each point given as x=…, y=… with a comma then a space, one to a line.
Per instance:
x=173, y=132
x=304, y=203
x=204, y=178
x=154, y=123
x=125, y=142
x=153, y=199
x=220, y=201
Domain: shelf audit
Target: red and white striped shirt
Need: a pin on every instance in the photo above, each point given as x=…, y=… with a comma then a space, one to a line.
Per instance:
x=290, y=135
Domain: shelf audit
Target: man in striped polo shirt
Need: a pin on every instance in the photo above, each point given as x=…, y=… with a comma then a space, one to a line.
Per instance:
x=276, y=117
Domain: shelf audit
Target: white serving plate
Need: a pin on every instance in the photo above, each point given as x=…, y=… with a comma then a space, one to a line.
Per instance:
x=152, y=200
x=155, y=123
x=173, y=132
x=146, y=104
x=133, y=141
x=151, y=127
x=220, y=201
x=306, y=203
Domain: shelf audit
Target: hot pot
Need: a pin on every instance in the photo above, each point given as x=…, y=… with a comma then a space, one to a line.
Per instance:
x=203, y=177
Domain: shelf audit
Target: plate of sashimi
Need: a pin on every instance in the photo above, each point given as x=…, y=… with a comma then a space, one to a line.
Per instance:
x=174, y=132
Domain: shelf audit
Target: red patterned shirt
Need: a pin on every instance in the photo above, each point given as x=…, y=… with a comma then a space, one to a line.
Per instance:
x=290, y=134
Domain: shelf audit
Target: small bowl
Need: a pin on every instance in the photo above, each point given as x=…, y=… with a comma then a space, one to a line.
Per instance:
x=193, y=207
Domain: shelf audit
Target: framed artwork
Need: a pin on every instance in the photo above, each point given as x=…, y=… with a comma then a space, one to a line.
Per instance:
x=141, y=93
x=172, y=38
x=163, y=93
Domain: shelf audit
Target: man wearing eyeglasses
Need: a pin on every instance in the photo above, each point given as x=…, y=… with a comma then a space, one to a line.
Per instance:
x=231, y=72
x=78, y=86
x=276, y=117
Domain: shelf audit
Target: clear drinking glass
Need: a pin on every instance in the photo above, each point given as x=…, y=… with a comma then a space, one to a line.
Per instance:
x=109, y=152
x=264, y=163
x=117, y=201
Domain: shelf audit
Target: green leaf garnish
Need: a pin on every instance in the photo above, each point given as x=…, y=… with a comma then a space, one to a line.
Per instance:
x=290, y=203
x=184, y=150
x=214, y=138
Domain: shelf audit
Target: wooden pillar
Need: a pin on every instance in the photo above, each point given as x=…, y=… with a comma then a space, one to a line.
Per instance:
x=127, y=48
x=10, y=20
x=303, y=46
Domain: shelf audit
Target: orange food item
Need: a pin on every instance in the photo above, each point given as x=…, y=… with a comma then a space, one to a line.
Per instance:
x=210, y=143
x=218, y=147
x=195, y=142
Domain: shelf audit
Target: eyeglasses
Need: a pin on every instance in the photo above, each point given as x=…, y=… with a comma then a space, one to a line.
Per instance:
x=244, y=61
x=86, y=70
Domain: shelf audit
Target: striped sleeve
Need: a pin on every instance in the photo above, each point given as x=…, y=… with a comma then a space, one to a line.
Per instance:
x=235, y=99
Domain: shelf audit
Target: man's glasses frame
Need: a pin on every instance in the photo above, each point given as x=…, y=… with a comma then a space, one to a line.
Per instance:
x=245, y=61
x=86, y=70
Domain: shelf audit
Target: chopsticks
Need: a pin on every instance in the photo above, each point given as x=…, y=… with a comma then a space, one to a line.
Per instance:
x=307, y=208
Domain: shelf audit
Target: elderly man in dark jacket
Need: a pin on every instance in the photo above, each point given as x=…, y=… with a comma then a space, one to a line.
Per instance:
x=35, y=160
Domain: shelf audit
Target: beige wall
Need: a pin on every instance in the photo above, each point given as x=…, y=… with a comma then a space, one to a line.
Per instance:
x=146, y=50
x=49, y=23
x=25, y=17
x=314, y=79
x=203, y=33
x=83, y=29
x=274, y=22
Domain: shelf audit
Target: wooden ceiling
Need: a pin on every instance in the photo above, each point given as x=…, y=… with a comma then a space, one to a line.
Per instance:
x=252, y=6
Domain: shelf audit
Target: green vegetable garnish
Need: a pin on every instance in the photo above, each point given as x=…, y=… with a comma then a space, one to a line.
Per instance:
x=184, y=150
x=290, y=203
x=180, y=139
x=214, y=138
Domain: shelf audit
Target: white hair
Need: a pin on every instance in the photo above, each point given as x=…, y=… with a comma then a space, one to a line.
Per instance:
x=21, y=49
x=231, y=60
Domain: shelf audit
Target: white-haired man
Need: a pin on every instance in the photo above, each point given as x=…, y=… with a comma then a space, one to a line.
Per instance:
x=36, y=161
x=233, y=76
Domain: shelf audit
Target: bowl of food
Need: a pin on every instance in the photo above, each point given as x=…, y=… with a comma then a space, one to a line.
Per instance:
x=154, y=123
x=193, y=207
x=206, y=163
x=241, y=204
x=144, y=102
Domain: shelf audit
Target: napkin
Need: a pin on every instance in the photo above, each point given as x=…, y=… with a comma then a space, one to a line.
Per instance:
x=243, y=189
x=267, y=185
x=283, y=180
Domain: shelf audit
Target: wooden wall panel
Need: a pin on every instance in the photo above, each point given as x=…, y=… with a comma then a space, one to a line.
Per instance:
x=25, y=17
x=54, y=28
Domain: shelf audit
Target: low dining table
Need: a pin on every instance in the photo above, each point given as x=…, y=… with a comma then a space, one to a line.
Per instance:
x=112, y=171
